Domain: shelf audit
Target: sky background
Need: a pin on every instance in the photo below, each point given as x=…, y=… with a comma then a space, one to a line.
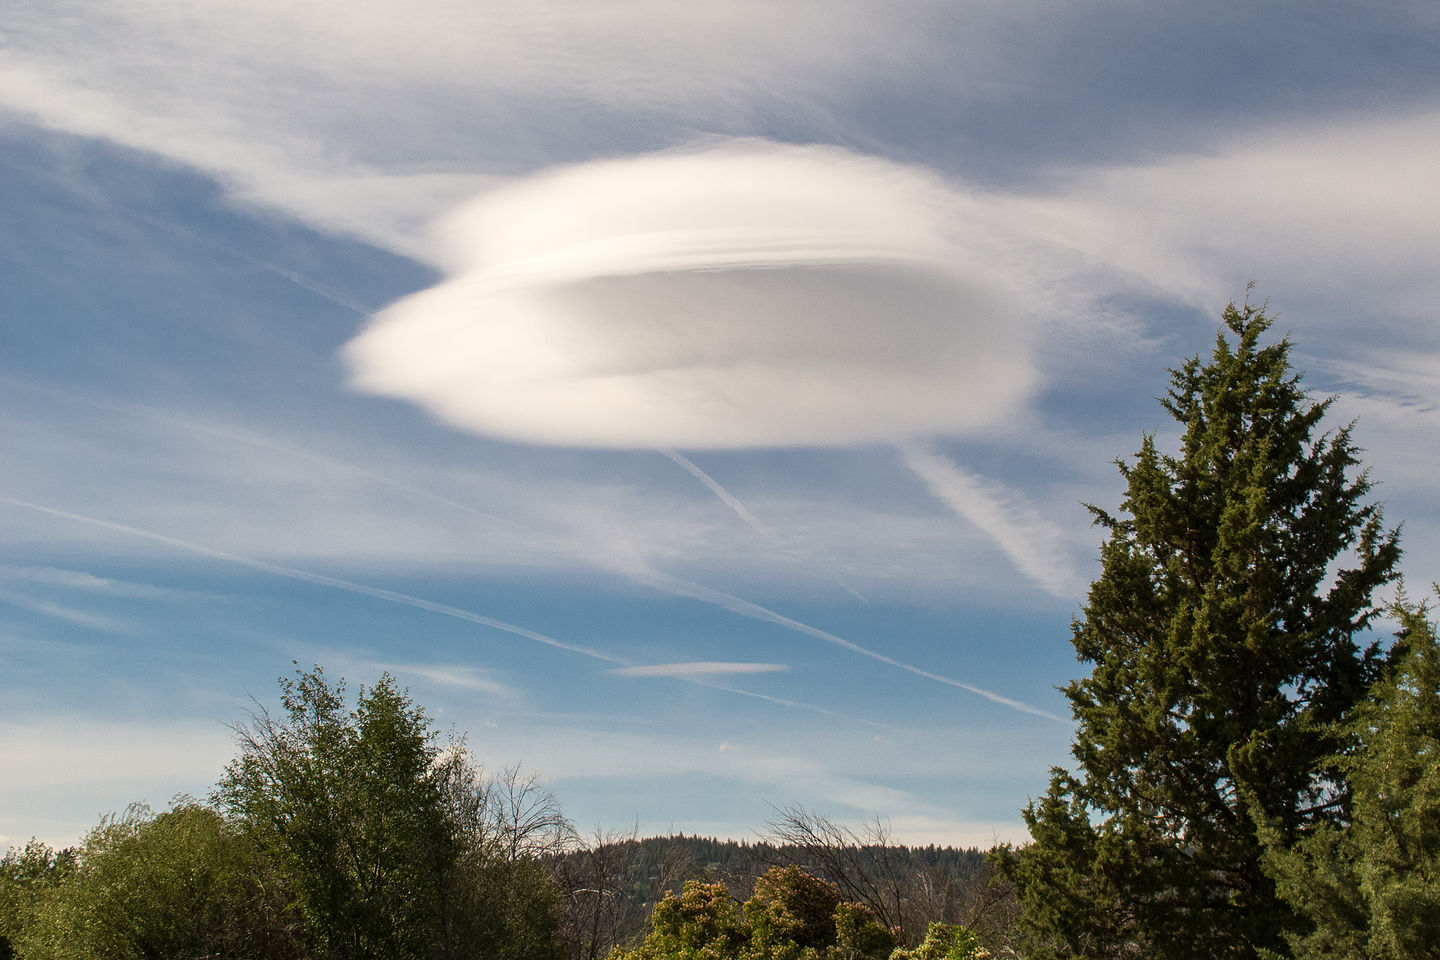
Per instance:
x=692, y=403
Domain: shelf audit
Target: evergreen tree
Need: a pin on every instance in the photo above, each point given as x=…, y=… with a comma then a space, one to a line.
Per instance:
x=1372, y=886
x=1222, y=632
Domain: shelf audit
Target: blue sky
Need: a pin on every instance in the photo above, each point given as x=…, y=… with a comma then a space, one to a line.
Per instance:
x=693, y=403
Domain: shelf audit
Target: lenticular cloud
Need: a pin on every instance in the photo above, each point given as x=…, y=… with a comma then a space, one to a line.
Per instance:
x=740, y=295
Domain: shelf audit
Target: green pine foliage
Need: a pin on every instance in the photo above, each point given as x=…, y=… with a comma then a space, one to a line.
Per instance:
x=1371, y=886
x=1222, y=634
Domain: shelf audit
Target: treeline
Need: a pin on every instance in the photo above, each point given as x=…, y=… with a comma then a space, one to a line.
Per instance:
x=349, y=831
x=617, y=881
x=338, y=831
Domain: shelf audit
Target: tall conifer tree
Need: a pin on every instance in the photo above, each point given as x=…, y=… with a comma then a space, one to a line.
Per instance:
x=1372, y=886
x=1223, y=636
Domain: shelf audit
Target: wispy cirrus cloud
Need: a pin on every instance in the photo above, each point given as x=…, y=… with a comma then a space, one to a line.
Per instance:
x=1314, y=211
x=335, y=111
x=459, y=613
x=91, y=583
x=455, y=675
x=63, y=611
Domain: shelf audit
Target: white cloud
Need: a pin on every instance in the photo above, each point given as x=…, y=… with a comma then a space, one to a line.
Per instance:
x=697, y=669
x=69, y=614
x=743, y=294
x=370, y=116
x=458, y=676
x=90, y=583
x=1336, y=216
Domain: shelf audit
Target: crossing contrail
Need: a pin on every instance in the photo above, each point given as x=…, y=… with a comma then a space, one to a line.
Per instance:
x=349, y=586
x=733, y=502
x=745, y=608
x=395, y=596
x=726, y=497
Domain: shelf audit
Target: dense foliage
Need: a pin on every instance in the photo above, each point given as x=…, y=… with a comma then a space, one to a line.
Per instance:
x=182, y=884
x=1371, y=886
x=790, y=916
x=619, y=879
x=1223, y=636
x=338, y=832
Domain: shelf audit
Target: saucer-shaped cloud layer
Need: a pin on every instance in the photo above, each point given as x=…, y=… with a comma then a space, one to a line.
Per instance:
x=745, y=294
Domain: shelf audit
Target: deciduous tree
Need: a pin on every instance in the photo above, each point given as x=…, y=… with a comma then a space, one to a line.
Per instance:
x=183, y=885
x=394, y=845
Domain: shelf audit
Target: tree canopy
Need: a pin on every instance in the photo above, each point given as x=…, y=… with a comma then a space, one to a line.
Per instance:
x=337, y=832
x=791, y=915
x=1371, y=886
x=1225, y=635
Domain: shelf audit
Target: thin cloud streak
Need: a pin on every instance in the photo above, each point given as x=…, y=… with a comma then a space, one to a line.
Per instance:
x=685, y=588
x=379, y=593
x=725, y=496
x=143, y=412
x=83, y=618
x=453, y=675
x=90, y=583
x=740, y=510
x=706, y=668
x=783, y=702
x=1032, y=543
x=392, y=596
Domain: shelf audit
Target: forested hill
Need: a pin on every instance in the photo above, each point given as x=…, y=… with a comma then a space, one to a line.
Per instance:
x=680, y=857
x=615, y=884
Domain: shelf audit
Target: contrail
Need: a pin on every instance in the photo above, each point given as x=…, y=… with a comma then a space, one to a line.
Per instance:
x=641, y=573
x=733, y=502
x=685, y=588
x=299, y=279
x=267, y=443
x=726, y=497
x=781, y=701
x=394, y=596
x=349, y=586
x=1029, y=541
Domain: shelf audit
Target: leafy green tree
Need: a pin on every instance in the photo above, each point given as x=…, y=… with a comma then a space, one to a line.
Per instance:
x=180, y=885
x=1222, y=632
x=944, y=941
x=388, y=840
x=344, y=801
x=27, y=875
x=1371, y=886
